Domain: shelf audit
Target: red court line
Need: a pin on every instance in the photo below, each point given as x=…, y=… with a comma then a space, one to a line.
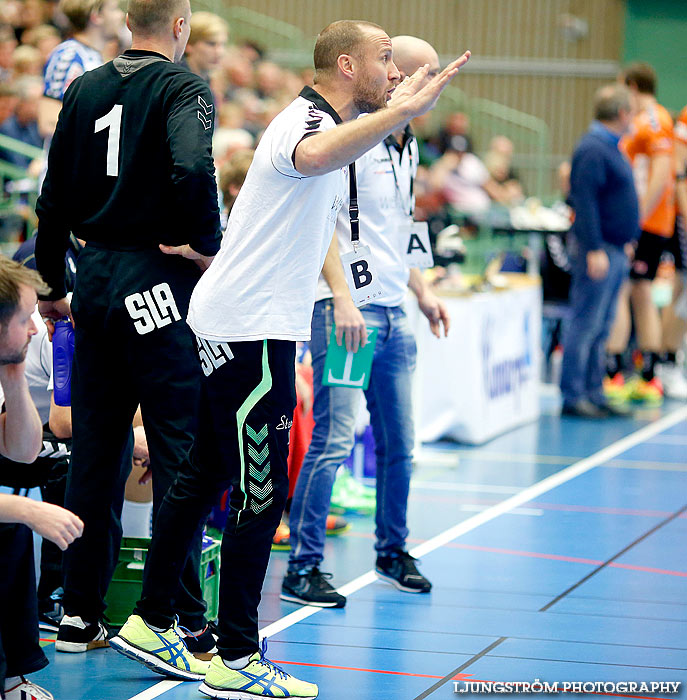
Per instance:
x=367, y=670
x=537, y=555
x=559, y=557
x=457, y=677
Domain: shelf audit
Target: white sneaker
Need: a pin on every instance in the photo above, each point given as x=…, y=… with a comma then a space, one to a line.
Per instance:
x=673, y=380
x=26, y=690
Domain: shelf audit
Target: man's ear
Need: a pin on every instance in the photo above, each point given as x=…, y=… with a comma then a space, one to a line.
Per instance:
x=346, y=64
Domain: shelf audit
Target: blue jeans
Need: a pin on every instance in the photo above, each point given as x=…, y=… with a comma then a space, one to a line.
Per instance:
x=335, y=409
x=593, y=305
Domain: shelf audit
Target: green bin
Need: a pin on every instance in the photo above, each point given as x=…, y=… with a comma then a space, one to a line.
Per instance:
x=125, y=588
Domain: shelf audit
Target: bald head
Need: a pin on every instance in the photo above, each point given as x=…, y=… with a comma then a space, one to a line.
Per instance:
x=410, y=53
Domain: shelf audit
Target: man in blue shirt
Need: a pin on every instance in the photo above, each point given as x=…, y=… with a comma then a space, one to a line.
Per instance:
x=23, y=124
x=602, y=193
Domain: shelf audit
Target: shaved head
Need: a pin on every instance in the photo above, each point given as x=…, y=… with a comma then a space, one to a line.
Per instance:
x=410, y=53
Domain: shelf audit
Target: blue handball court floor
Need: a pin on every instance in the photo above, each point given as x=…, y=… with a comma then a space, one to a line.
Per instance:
x=558, y=554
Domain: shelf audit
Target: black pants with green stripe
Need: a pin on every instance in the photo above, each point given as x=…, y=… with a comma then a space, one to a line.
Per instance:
x=242, y=441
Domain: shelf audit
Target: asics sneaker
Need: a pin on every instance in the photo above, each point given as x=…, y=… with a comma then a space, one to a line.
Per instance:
x=259, y=679
x=163, y=652
x=311, y=587
x=26, y=690
x=75, y=635
x=398, y=568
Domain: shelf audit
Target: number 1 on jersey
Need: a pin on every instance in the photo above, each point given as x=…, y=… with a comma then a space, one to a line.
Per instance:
x=112, y=121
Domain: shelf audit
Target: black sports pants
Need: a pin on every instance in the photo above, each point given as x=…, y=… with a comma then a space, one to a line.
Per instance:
x=132, y=345
x=246, y=408
x=20, y=651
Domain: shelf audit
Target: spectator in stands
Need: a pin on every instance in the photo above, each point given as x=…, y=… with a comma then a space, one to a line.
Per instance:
x=206, y=44
x=23, y=124
x=8, y=101
x=45, y=38
x=232, y=175
x=27, y=61
x=8, y=43
x=603, y=196
x=455, y=134
x=650, y=146
x=20, y=440
x=94, y=22
x=464, y=180
x=498, y=161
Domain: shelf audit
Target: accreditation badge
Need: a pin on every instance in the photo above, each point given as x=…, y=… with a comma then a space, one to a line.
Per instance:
x=361, y=275
x=414, y=237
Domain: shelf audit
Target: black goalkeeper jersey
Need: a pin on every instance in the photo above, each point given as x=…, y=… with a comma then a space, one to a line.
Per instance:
x=130, y=164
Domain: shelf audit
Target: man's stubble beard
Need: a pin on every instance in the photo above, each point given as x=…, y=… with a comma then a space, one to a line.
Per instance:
x=365, y=99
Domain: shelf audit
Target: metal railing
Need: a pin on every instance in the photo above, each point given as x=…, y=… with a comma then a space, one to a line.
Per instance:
x=19, y=190
x=288, y=46
x=530, y=135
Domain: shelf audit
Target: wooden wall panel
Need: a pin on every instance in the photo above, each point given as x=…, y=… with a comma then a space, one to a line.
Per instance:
x=520, y=56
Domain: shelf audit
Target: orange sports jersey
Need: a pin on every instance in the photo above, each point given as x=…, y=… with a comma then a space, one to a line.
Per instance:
x=651, y=134
x=681, y=127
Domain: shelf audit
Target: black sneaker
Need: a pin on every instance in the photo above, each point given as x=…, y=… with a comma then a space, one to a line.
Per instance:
x=50, y=611
x=76, y=636
x=311, y=588
x=203, y=645
x=399, y=569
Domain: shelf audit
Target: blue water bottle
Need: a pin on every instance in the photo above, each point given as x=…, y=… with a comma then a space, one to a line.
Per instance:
x=62, y=357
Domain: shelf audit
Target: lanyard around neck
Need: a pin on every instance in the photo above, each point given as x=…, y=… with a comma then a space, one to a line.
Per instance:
x=409, y=207
x=353, y=211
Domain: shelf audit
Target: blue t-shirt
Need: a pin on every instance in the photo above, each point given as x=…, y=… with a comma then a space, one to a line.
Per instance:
x=68, y=61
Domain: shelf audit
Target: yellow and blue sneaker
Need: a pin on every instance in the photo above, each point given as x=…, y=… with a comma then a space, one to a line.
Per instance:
x=259, y=679
x=163, y=652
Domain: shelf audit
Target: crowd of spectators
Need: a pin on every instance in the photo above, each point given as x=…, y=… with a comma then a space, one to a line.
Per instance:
x=249, y=90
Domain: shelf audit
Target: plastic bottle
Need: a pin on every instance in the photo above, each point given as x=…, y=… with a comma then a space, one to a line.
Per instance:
x=62, y=357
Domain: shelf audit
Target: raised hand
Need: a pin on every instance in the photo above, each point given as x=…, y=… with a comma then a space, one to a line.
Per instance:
x=418, y=99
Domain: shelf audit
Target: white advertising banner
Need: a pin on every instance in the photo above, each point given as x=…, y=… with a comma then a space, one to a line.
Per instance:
x=484, y=378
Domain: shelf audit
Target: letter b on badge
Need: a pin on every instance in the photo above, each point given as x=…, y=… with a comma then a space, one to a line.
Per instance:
x=362, y=278
x=360, y=270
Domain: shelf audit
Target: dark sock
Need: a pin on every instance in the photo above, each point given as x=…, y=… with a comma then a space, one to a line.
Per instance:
x=649, y=361
x=614, y=364
x=669, y=358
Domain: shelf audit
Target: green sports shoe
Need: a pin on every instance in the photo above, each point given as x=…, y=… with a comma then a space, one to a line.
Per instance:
x=163, y=652
x=348, y=494
x=259, y=679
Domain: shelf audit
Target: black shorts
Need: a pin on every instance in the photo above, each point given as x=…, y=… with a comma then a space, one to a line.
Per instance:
x=677, y=245
x=650, y=248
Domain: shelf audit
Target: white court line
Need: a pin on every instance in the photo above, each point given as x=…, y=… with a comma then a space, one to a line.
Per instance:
x=461, y=487
x=528, y=494
x=157, y=689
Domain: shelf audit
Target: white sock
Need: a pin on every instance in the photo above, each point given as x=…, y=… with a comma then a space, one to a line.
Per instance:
x=238, y=664
x=156, y=629
x=11, y=682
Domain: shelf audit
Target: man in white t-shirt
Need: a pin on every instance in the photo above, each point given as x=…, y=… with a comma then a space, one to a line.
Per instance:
x=248, y=310
x=385, y=197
